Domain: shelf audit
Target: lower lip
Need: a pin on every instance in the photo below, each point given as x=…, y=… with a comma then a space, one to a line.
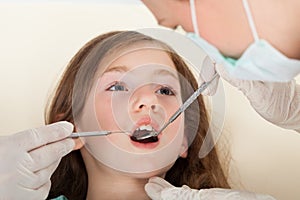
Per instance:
x=150, y=145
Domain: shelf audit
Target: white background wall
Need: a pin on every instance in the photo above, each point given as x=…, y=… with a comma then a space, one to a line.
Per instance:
x=38, y=39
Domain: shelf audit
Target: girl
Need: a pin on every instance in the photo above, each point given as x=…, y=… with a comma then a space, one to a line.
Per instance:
x=130, y=70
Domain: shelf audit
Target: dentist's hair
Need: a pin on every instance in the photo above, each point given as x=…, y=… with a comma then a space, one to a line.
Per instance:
x=70, y=178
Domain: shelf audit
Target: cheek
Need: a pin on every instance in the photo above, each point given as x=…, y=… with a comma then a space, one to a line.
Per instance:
x=175, y=129
x=171, y=106
x=104, y=112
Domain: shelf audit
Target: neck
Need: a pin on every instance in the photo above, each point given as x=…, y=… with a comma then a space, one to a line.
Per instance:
x=116, y=187
x=106, y=183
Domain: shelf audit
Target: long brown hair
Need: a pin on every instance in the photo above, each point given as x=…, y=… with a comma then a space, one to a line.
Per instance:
x=70, y=178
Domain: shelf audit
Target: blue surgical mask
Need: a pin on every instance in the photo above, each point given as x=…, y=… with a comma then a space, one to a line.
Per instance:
x=261, y=61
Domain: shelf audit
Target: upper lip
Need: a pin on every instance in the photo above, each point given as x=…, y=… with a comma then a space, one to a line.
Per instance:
x=146, y=120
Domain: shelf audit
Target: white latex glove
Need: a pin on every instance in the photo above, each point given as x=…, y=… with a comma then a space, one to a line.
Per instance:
x=159, y=189
x=278, y=103
x=29, y=158
x=206, y=74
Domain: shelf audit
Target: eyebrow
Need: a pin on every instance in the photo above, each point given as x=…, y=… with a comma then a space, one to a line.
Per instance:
x=121, y=68
x=165, y=72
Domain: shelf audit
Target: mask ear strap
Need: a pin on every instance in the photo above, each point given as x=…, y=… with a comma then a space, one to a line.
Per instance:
x=194, y=17
x=250, y=20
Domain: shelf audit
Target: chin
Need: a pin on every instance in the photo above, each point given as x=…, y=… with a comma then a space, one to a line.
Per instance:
x=145, y=175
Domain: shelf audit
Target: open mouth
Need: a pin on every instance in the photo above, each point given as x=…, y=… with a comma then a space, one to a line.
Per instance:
x=142, y=133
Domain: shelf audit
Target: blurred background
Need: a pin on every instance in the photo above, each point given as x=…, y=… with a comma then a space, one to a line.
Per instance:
x=39, y=37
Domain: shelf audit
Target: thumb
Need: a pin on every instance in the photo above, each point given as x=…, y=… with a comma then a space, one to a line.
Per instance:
x=206, y=74
x=155, y=186
x=153, y=191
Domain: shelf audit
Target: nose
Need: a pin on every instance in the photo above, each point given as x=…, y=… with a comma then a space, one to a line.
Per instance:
x=144, y=98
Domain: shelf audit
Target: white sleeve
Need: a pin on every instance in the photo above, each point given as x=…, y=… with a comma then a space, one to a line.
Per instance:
x=228, y=194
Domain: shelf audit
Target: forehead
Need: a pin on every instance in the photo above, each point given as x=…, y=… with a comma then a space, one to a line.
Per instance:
x=135, y=57
x=144, y=56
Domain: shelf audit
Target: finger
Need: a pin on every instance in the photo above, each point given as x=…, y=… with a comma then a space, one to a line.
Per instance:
x=42, y=192
x=46, y=155
x=212, y=88
x=34, y=138
x=155, y=186
x=33, y=194
x=206, y=74
x=160, y=181
x=207, y=69
x=153, y=191
x=38, y=179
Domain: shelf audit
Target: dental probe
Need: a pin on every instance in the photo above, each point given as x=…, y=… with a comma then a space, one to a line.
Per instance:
x=94, y=133
x=182, y=108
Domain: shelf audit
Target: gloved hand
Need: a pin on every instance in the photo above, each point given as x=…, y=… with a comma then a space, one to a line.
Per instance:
x=278, y=103
x=159, y=189
x=29, y=158
x=206, y=74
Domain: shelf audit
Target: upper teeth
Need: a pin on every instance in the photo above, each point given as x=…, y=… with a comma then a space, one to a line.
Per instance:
x=145, y=127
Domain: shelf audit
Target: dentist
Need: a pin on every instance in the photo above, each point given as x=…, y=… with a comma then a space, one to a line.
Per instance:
x=257, y=48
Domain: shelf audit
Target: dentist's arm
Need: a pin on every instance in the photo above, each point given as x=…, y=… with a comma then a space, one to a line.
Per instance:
x=159, y=189
x=29, y=158
x=278, y=103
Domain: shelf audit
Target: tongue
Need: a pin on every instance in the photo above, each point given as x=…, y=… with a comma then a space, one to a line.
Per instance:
x=137, y=134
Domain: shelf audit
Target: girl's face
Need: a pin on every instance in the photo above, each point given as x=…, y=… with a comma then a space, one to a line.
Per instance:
x=138, y=90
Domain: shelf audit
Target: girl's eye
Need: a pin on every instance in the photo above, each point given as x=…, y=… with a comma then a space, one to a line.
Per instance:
x=165, y=91
x=117, y=87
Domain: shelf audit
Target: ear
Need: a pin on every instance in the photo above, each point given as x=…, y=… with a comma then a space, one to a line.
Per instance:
x=78, y=143
x=58, y=117
x=184, y=148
